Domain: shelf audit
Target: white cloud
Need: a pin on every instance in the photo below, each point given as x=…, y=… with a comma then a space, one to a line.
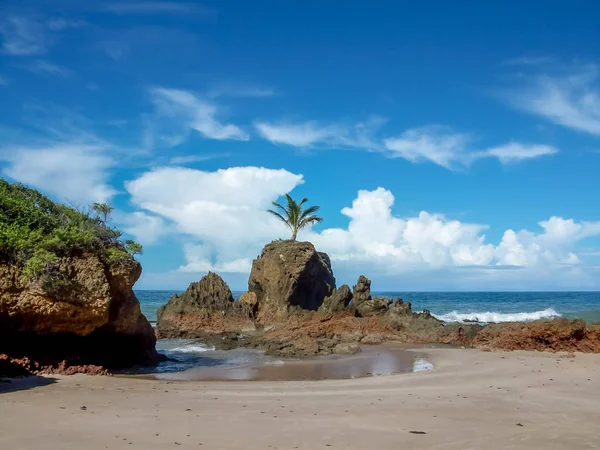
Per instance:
x=569, y=97
x=185, y=111
x=44, y=67
x=376, y=237
x=71, y=171
x=200, y=258
x=514, y=152
x=146, y=228
x=436, y=144
x=224, y=211
x=312, y=133
x=452, y=150
x=222, y=218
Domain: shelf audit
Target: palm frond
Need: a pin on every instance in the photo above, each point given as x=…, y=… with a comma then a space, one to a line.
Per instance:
x=309, y=220
x=309, y=211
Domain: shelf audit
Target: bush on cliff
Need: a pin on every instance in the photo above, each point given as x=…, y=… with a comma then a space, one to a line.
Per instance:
x=36, y=232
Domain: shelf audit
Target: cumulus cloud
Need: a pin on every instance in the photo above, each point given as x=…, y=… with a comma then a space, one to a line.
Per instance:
x=222, y=213
x=146, y=228
x=449, y=149
x=221, y=216
x=180, y=111
x=567, y=96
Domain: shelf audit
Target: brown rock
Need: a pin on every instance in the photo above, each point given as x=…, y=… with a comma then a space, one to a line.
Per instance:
x=362, y=302
x=372, y=339
x=250, y=299
x=346, y=348
x=96, y=320
x=338, y=301
x=543, y=335
x=290, y=275
x=206, y=306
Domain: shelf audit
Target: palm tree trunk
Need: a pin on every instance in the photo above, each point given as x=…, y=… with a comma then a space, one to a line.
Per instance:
x=294, y=235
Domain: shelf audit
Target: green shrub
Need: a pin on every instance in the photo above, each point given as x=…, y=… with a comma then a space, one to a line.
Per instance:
x=36, y=232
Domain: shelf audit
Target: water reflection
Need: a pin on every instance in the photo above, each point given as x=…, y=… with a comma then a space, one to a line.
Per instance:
x=243, y=364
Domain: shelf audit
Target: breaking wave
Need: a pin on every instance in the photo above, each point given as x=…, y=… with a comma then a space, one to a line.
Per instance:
x=496, y=317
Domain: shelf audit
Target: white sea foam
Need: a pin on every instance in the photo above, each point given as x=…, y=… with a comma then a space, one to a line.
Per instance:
x=192, y=348
x=495, y=317
x=422, y=365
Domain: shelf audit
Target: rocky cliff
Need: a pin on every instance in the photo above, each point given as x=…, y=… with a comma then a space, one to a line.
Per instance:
x=96, y=320
x=66, y=279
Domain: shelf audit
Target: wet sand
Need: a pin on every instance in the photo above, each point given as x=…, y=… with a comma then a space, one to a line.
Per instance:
x=471, y=400
x=371, y=361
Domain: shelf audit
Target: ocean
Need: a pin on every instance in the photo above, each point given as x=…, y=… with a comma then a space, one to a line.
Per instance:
x=461, y=306
x=195, y=360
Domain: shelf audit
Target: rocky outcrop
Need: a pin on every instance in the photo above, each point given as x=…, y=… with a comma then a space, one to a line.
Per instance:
x=362, y=302
x=290, y=276
x=542, y=335
x=207, y=306
x=338, y=301
x=94, y=320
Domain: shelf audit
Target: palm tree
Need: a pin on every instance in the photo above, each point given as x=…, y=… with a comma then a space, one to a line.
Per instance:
x=293, y=215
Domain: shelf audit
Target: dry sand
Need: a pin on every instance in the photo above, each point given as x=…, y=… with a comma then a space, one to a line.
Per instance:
x=472, y=400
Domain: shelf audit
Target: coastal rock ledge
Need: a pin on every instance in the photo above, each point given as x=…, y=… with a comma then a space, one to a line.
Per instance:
x=94, y=324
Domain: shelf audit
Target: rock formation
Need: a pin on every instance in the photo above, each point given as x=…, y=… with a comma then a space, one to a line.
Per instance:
x=362, y=302
x=292, y=309
x=95, y=321
x=289, y=276
x=338, y=301
x=207, y=306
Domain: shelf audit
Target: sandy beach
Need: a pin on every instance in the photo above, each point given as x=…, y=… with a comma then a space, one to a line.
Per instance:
x=471, y=400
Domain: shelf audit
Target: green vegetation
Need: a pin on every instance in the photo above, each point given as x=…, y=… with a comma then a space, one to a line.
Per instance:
x=293, y=215
x=36, y=232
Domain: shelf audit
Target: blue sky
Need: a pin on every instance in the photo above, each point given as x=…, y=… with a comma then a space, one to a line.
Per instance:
x=451, y=145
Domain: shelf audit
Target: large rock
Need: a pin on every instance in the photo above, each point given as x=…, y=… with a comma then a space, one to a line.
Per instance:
x=206, y=306
x=290, y=275
x=95, y=320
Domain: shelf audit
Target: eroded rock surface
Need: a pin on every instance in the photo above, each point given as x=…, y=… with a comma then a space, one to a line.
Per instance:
x=289, y=276
x=207, y=306
x=95, y=320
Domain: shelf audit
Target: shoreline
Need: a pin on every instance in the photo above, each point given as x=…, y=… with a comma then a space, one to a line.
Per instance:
x=472, y=399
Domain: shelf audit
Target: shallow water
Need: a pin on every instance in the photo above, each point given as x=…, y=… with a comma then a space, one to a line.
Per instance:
x=192, y=360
